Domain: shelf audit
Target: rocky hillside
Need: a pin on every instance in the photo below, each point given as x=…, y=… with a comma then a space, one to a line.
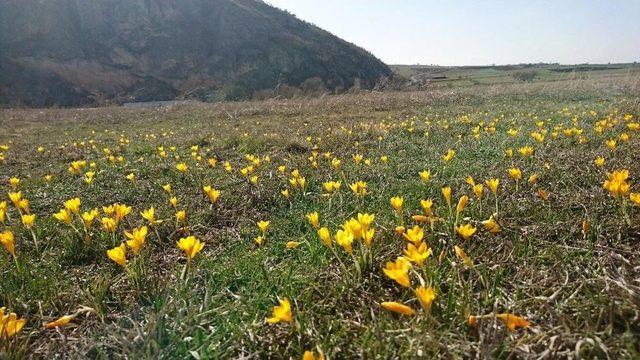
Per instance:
x=79, y=52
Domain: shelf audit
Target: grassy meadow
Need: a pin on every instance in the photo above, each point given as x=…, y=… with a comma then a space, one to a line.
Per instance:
x=544, y=267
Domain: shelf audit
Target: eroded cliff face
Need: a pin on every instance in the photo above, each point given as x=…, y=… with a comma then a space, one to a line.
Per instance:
x=76, y=52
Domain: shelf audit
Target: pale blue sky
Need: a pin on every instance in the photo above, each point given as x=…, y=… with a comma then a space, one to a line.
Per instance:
x=476, y=32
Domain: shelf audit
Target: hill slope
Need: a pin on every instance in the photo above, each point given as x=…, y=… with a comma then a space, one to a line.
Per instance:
x=74, y=52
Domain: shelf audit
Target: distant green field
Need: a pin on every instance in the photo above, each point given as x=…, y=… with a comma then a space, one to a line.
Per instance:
x=444, y=76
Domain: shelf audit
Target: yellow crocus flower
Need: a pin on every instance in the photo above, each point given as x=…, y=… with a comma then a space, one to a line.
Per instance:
x=515, y=174
x=136, y=238
x=89, y=217
x=182, y=167
x=417, y=254
x=263, y=226
x=512, y=322
x=118, y=255
x=109, y=224
x=353, y=227
x=398, y=308
x=64, y=216
x=15, y=198
x=62, y=321
x=7, y=240
x=396, y=203
x=325, y=236
x=367, y=236
x=398, y=271
x=150, y=215
x=281, y=313
x=14, y=182
x=470, y=181
x=466, y=231
x=425, y=175
x=493, y=185
x=462, y=203
x=28, y=220
x=449, y=155
x=9, y=324
x=309, y=355
x=191, y=246
x=345, y=239
x=478, y=190
x=359, y=188
x=526, y=151
x=425, y=295
x=24, y=206
x=73, y=205
x=292, y=244
x=365, y=220
x=463, y=256
x=414, y=235
x=121, y=211
x=446, y=192
x=508, y=153
x=313, y=218
x=491, y=225
x=426, y=206
x=616, y=183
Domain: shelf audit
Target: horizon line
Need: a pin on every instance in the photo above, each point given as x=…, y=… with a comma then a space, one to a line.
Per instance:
x=635, y=62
